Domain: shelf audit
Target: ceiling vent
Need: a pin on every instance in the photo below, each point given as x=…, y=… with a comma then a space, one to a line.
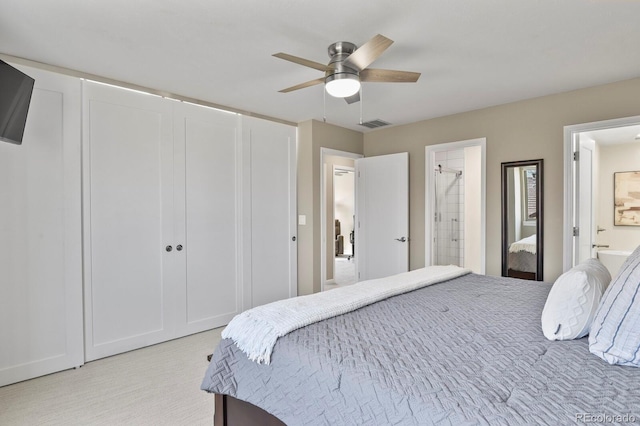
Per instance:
x=374, y=124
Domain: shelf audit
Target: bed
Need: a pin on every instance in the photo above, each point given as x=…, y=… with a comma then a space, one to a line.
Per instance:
x=467, y=351
x=522, y=259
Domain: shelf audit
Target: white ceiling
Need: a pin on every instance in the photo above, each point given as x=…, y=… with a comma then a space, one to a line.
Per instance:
x=615, y=135
x=471, y=53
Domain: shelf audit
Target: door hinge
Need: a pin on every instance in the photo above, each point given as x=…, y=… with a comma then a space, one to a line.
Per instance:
x=576, y=156
x=576, y=231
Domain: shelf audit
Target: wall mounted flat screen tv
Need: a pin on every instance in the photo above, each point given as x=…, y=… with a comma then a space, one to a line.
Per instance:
x=15, y=97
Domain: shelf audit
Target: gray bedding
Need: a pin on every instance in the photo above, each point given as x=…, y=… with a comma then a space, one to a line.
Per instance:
x=469, y=351
x=523, y=261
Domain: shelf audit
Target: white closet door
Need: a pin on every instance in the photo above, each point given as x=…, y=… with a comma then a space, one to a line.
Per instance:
x=208, y=214
x=128, y=190
x=270, y=211
x=40, y=249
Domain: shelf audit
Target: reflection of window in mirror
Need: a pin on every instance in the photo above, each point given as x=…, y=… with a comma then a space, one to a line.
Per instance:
x=529, y=207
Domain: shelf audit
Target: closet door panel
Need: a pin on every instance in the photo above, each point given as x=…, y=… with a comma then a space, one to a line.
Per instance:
x=40, y=254
x=271, y=151
x=212, y=215
x=129, y=149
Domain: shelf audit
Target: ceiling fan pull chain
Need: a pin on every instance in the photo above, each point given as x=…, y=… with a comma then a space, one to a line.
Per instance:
x=324, y=106
x=361, y=102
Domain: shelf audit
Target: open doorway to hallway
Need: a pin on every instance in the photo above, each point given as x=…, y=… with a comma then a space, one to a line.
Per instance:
x=344, y=267
x=338, y=263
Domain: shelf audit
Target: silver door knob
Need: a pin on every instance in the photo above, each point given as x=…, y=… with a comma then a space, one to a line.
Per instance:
x=168, y=248
x=179, y=247
x=401, y=239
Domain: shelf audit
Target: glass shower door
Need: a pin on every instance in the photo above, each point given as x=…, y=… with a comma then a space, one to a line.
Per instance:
x=447, y=226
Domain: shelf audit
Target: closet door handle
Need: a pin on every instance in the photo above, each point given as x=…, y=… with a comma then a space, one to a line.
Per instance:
x=168, y=248
x=401, y=239
x=179, y=247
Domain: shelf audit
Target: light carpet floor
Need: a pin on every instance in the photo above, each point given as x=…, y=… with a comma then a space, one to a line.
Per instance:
x=157, y=385
x=344, y=273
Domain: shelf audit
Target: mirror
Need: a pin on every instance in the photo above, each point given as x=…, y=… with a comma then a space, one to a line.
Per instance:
x=522, y=195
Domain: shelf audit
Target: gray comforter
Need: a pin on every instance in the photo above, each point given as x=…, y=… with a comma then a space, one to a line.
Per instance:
x=523, y=261
x=469, y=351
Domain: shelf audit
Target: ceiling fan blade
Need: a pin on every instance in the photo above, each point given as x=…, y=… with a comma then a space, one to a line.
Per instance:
x=353, y=98
x=301, y=61
x=303, y=85
x=372, y=75
x=368, y=52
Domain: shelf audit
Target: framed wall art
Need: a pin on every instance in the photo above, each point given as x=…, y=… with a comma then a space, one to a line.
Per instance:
x=626, y=198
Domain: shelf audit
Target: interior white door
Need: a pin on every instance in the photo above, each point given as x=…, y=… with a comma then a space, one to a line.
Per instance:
x=129, y=225
x=584, y=203
x=269, y=158
x=382, y=215
x=40, y=235
x=207, y=211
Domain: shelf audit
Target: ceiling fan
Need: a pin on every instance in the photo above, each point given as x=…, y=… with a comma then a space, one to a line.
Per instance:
x=347, y=68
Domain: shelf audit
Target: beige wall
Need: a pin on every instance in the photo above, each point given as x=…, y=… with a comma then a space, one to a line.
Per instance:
x=615, y=158
x=523, y=130
x=313, y=135
x=305, y=208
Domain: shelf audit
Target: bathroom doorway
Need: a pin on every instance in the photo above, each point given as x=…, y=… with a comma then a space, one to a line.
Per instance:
x=600, y=214
x=448, y=226
x=455, y=204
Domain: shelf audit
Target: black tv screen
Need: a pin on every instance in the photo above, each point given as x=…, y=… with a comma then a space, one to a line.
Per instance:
x=15, y=96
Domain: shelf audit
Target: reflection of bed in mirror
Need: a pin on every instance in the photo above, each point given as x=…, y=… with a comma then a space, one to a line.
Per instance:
x=522, y=258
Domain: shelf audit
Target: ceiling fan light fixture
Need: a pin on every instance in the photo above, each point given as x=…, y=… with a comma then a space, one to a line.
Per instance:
x=342, y=85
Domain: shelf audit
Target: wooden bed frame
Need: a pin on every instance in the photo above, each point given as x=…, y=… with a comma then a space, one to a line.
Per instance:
x=230, y=411
x=520, y=274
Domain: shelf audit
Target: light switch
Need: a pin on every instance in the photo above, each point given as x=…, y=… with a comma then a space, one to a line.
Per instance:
x=302, y=219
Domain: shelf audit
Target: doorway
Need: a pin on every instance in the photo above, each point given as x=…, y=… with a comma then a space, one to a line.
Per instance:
x=344, y=267
x=455, y=204
x=595, y=153
x=337, y=198
x=448, y=228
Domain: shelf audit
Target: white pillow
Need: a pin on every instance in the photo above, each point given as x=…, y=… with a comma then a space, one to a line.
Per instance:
x=615, y=333
x=573, y=301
